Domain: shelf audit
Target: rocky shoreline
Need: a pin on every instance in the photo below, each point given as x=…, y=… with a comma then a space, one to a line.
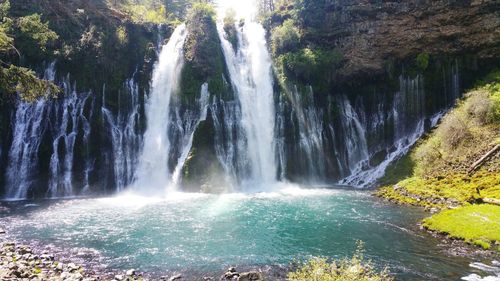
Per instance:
x=24, y=262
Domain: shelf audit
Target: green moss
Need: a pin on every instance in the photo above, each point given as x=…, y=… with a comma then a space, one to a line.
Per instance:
x=439, y=192
x=476, y=224
x=398, y=170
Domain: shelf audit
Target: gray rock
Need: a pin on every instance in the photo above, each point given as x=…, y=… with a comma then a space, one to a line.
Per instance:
x=130, y=272
x=119, y=277
x=250, y=276
x=2, y=231
x=175, y=277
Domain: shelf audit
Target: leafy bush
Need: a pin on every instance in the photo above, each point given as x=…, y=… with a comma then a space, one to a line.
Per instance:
x=354, y=269
x=428, y=153
x=454, y=130
x=285, y=38
x=33, y=27
x=143, y=13
x=422, y=61
x=308, y=64
x=494, y=113
x=478, y=107
x=121, y=35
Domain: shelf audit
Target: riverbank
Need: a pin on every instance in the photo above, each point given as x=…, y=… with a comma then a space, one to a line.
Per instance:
x=19, y=261
x=455, y=171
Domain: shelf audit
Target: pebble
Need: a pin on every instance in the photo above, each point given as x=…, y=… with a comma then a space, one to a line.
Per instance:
x=175, y=277
x=130, y=272
x=2, y=231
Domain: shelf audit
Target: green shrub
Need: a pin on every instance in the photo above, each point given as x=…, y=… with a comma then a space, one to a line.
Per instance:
x=427, y=154
x=494, y=113
x=478, y=107
x=454, y=130
x=422, y=61
x=354, y=269
x=145, y=14
x=285, y=38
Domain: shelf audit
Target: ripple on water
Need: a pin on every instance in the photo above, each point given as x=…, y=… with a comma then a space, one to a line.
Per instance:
x=207, y=233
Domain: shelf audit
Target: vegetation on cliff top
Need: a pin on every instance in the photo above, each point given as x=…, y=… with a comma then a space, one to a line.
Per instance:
x=446, y=174
x=30, y=33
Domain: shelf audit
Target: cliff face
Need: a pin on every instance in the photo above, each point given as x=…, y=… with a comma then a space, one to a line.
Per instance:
x=369, y=34
x=371, y=78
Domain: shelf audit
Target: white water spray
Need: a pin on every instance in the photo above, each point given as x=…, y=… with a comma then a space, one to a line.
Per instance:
x=251, y=77
x=153, y=171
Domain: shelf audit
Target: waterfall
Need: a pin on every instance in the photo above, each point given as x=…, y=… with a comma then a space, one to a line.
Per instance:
x=125, y=136
x=153, y=172
x=63, y=121
x=408, y=115
x=251, y=77
x=186, y=127
x=69, y=116
x=310, y=133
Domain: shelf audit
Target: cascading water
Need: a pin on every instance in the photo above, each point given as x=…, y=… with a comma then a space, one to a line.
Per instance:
x=186, y=127
x=251, y=77
x=408, y=115
x=63, y=120
x=153, y=174
x=70, y=116
x=125, y=136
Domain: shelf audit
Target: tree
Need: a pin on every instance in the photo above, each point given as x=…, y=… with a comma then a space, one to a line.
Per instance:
x=30, y=30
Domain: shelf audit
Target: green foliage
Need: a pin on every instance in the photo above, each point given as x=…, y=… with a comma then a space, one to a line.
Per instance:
x=285, y=38
x=201, y=9
x=14, y=79
x=354, y=269
x=308, y=64
x=29, y=31
x=39, y=32
x=476, y=224
x=143, y=13
x=204, y=60
x=422, y=61
x=121, y=35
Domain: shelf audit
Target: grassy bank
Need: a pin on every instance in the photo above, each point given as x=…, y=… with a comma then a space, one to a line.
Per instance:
x=450, y=173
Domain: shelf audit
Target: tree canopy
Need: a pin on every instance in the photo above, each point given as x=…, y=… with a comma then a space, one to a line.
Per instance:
x=31, y=31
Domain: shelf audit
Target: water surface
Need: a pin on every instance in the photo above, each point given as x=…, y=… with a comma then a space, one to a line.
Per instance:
x=207, y=233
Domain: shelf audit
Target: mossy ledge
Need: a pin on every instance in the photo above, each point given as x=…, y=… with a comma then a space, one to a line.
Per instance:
x=451, y=174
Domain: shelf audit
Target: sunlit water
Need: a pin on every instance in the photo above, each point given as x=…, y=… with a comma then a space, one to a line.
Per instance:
x=207, y=233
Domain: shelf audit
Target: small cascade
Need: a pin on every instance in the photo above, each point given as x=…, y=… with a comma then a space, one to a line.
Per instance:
x=185, y=129
x=69, y=118
x=62, y=121
x=229, y=139
x=408, y=115
x=153, y=173
x=280, y=134
x=126, y=138
x=29, y=124
x=251, y=77
x=310, y=133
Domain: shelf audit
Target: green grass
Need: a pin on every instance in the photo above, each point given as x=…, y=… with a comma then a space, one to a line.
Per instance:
x=475, y=224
